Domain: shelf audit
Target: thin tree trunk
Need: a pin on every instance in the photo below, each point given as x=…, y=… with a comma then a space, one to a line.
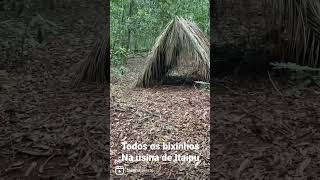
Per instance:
x=129, y=28
x=120, y=36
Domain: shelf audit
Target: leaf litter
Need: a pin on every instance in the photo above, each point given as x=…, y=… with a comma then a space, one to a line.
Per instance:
x=49, y=130
x=265, y=135
x=164, y=114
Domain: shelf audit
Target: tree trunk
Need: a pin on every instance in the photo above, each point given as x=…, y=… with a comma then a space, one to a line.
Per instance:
x=121, y=35
x=129, y=28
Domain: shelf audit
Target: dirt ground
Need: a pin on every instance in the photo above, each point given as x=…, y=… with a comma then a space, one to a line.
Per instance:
x=260, y=134
x=49, y=130
x=174, y=114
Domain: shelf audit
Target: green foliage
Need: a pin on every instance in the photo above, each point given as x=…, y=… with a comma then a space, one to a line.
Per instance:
x=118, y=71
x=135, y=24
x=118, y=55
x=202, y=85
x=117, y=63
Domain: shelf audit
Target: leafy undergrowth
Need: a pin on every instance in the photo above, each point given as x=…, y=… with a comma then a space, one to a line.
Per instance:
x=174, y=114
x=259, y=134
x=49, y=130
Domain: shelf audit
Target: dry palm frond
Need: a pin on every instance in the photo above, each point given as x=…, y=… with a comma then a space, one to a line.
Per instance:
x=94, y=68
x=181, y=41
x=302, y=20
x=293, y=67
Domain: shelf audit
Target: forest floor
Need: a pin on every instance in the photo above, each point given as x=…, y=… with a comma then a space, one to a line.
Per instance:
x=48, y=129
x=163, y=114
x=265, y=128
x=263, y=133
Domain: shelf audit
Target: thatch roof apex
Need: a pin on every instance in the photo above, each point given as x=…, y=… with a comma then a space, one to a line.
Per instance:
x=182, y=40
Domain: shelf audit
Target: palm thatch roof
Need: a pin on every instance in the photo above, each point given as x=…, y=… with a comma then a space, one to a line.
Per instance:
x=302, y=21
x=95, y=68
x=182, y=40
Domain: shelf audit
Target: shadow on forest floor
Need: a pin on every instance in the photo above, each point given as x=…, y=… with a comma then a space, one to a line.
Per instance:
x=265, y=132
x=49, y=130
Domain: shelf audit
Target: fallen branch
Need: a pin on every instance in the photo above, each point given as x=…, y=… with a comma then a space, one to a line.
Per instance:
x=274, y=85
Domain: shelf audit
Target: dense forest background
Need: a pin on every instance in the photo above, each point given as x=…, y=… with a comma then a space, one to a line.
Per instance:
x=135, y=24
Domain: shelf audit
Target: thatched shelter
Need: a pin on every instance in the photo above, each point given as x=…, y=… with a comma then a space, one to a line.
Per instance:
x=283, y=30
x=95, y=67
x=182, y=40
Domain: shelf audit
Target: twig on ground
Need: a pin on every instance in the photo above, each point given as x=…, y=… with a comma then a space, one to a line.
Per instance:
x=31, y=167
x=86, y=137
x=274, y=85
x=45, y=163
